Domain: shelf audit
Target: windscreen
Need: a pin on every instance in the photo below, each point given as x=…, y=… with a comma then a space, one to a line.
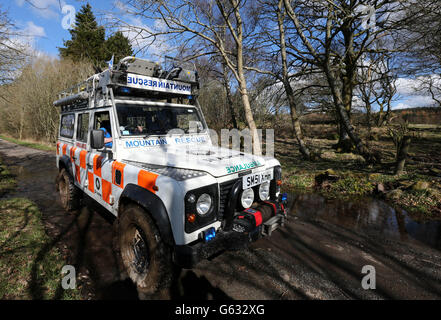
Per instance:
x=156, y=120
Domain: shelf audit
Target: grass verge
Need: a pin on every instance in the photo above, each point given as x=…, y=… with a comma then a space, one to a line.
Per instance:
x=30, y=264
x=7, y=180
x=29, y=144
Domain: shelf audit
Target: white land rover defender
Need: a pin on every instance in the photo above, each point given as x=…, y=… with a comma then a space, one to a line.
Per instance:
x=133, y=138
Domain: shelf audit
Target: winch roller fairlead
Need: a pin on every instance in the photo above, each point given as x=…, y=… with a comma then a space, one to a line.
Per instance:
x=261, y=220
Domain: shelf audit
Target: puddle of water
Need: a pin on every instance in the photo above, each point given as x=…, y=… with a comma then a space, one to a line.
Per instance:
x=367, y=216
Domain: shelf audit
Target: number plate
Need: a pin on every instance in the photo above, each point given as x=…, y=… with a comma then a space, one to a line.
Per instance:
x=254, y=179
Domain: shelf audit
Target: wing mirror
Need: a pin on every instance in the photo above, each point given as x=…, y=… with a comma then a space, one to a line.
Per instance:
x=97, y=139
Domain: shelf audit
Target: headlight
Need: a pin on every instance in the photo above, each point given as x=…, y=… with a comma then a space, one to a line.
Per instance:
x=264, y=191
x=204, y=204
x=247, y=198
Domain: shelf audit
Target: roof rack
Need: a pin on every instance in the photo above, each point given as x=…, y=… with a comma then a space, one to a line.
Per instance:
x=133, y=74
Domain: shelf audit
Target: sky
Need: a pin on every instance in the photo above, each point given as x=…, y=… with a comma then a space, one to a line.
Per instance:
x=46, y=22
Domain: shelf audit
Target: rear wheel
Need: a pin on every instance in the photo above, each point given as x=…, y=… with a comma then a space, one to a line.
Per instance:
x=145, y=256
x=69, y=193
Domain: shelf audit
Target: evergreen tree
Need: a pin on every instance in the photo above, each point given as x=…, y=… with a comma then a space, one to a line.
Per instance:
x=118, y=46
x=88, y=41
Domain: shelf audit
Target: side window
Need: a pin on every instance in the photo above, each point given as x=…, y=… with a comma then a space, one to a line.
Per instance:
x=102, y=122
x=67, y=125
x=82, y=127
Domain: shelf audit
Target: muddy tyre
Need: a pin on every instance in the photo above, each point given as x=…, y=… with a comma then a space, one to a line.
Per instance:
x=143, y=253
x=69, y=194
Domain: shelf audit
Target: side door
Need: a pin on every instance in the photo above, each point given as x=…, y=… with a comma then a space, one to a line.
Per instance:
x=79, y=151
x=99, y=162
x=65, y=142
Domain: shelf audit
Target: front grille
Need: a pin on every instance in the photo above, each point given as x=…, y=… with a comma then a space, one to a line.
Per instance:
x=224, y=191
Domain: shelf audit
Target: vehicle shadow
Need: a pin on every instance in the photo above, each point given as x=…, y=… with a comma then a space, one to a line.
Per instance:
x=89, y=240
x=83, y=237
x=189, y=286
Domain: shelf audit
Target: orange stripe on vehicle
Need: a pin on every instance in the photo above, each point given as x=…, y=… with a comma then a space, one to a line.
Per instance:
x=77, y=173
x=83, y=154
x=107, y=190
x=147, y=180
x=72, y=154
x=58, y=148
x=118, y=166
x=91, y=179
x=97, y=164
x=64, y=149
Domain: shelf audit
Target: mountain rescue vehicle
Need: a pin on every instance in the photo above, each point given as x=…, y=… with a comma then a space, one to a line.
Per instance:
x=133, y=138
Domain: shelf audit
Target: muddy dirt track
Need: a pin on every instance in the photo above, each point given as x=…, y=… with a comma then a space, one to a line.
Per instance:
x=311, y=258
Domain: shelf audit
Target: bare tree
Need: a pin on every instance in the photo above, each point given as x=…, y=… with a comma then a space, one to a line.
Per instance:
x=401, y=139
x=377, y=86
x=205, y=21
x=419, y=36
x=385, y=97
x=28, y=112
x=213, y=74
x=12, y=51
x=272, y=59
x=419, y=40
x=333, y=38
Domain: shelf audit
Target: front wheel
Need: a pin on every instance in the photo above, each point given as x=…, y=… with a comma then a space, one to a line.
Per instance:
x=144, y=254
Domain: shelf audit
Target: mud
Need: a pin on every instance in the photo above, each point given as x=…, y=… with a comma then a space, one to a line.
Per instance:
x=319, y=254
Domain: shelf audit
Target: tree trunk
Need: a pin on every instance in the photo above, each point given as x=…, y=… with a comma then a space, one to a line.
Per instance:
x=386, y=117
x=229, y=97
x=288, y=89
x=296, y=122
x=257, y=150
x=402, y=151
x=380, y=115
x=345, y=122
x=344, y=143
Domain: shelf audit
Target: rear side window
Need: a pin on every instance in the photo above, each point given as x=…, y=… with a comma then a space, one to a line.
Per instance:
x=82, y=127
x=67, y=125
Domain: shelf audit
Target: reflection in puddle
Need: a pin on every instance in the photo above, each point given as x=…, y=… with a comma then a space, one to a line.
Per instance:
x=367, y=215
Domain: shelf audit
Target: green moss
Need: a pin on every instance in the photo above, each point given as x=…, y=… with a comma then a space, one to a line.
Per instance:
x=426, y=202
x=349, y=185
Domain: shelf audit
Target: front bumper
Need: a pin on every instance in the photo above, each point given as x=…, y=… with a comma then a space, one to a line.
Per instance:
x=187, y=256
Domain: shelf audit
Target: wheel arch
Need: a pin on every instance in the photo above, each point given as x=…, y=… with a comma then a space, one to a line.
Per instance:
x=152, y=204
x=64, y=163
